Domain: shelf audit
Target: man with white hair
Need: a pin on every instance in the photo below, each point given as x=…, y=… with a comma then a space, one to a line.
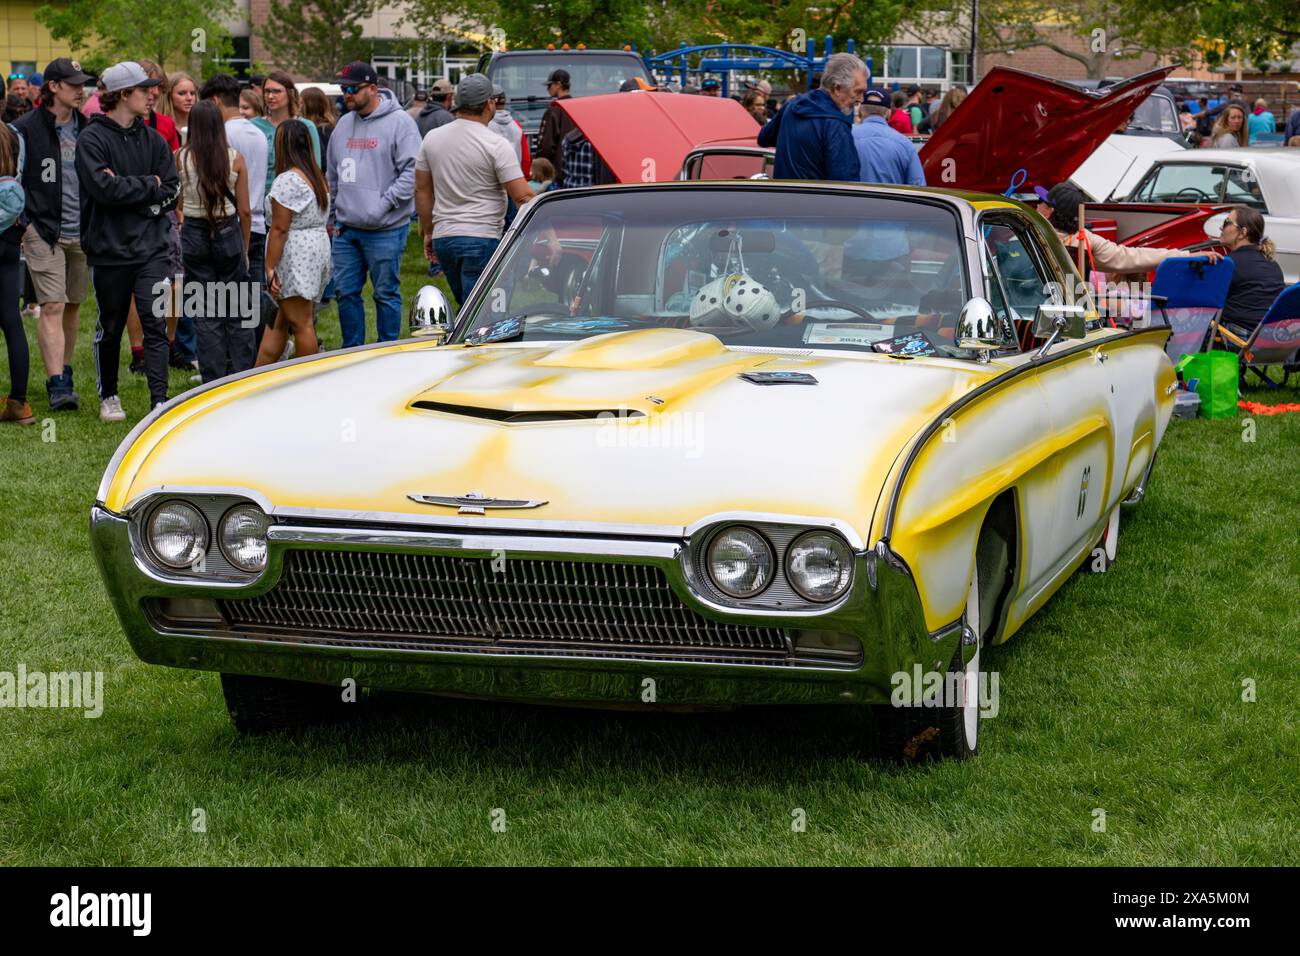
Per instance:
x=813, y=133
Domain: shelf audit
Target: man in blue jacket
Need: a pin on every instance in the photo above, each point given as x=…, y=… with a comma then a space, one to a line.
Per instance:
x=813, y=133
x=370, y=168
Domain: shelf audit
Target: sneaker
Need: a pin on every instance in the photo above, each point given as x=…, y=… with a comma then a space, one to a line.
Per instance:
x=67, y=380
x=137, y=362
x=110, y=410
x=16, y=413
x=62, y=398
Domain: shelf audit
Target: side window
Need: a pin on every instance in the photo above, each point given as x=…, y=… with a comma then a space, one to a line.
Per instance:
x=1243, y=187
x=1017, y=267
x=1183, y=182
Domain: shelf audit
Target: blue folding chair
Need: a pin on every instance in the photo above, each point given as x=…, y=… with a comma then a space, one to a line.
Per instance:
x=1275, y=341
x=1194, y=292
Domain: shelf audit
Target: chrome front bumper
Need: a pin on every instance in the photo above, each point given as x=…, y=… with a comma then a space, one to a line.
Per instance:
x=882, y=612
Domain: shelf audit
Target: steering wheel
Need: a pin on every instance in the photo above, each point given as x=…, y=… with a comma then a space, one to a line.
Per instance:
x=833, y=304
x=1201, y=195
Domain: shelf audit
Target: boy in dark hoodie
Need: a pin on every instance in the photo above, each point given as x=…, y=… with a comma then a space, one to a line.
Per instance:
x=813, y=133
x=129, y=187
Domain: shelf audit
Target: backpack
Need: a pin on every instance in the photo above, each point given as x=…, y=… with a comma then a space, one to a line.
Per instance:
x=12, y=197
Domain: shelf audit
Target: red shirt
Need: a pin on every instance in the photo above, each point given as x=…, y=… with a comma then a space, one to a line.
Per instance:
x=901, y=121
x=166, y=128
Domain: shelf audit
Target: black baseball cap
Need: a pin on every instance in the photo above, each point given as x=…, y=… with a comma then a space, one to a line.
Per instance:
x=875, y=97
x=558, y=76
x=65, y=71
x=358, y=72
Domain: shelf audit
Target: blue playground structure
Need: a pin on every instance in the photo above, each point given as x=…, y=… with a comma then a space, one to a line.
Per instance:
x=723, y=58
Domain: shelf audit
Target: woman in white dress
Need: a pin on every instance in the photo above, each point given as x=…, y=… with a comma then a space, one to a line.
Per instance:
x=297, y=244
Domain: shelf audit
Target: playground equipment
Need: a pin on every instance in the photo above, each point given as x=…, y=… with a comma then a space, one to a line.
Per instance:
x=726, y=58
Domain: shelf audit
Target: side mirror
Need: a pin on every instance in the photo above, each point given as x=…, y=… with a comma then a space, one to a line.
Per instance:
x=431, y=314
x=1065, y=320
x=977, y=329
x=1214, y=225
x=1054, y=321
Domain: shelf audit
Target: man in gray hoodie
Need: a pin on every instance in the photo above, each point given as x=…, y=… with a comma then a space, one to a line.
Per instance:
x=370, y=168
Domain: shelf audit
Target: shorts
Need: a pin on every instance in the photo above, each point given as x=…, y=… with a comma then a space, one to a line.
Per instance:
x=59, y=272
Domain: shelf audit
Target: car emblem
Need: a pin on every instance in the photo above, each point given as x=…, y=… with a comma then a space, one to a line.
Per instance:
x=476, y=503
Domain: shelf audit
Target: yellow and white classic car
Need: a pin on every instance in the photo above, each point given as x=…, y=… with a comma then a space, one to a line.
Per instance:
x=685, y=444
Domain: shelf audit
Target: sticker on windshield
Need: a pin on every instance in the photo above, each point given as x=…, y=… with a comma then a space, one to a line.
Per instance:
x=914, y=343
x=844, y=333
x=586, y=325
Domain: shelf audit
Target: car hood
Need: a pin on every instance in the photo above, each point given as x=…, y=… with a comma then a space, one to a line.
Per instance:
x=648, y=428
x=1014, y=120
x=668, y=125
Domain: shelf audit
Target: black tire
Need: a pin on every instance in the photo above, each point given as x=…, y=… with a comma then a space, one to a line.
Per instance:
x=264, y=705
x=916, y=734
x=909, y=734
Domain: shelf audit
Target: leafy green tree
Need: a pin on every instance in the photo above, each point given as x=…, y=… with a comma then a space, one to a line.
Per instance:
x=317, y=37
x=175, y=33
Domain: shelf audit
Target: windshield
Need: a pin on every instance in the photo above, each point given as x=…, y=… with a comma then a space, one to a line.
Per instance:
x=1200, y=183
x=525, y=76
x=756, y=267
x=1156, y=114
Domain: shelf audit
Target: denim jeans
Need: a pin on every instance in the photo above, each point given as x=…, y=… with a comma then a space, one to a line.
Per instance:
x=463, y=259
x=379, y=252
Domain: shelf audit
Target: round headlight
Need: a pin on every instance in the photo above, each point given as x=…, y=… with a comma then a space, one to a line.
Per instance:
x=740, y=562
x=819, y=566
x=178, y=535
x=243, y=537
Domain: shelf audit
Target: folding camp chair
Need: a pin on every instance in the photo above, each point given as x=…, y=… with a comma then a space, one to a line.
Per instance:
x=1194, y=292
x=1275, y=341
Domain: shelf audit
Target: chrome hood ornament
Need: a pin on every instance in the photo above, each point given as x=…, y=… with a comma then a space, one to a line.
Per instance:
x=476, y=503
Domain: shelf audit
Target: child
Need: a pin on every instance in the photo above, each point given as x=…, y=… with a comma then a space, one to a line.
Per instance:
x=542, y=177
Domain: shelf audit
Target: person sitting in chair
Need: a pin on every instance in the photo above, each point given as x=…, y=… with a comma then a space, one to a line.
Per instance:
x=1257, y=280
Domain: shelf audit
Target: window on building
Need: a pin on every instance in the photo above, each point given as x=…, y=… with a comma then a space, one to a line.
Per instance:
x=934, y=63
x=902, y=62
x=961, y=67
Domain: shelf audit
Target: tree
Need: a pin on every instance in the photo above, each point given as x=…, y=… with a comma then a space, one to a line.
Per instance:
x=174, y=33
x=1261, y=30
x=317, y=37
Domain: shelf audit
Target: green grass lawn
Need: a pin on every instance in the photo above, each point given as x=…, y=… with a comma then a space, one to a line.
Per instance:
x=1124, y=694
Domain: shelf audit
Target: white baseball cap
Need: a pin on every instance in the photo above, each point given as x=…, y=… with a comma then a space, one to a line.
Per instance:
x=124, y=76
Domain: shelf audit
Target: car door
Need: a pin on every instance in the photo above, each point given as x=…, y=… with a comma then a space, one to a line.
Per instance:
x=1078, y=395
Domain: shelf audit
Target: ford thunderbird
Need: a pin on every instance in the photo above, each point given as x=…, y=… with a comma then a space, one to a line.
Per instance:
x=685, y=444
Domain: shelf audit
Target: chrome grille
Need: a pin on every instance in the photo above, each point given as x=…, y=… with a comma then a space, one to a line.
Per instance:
x=434, y=601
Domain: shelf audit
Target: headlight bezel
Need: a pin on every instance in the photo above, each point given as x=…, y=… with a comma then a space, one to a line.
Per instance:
x=213, y=504
x=244, y=507
x=838, y=543
x=148, y=535
x=762, y=539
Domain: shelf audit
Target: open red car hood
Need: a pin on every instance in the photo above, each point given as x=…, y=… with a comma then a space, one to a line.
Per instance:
x=1015, y=120
x=627, y=129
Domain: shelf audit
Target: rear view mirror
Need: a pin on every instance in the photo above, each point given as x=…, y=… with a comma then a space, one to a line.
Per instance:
x=977, y=329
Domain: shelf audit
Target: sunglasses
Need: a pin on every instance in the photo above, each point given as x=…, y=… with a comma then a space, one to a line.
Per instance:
x=1229, y=222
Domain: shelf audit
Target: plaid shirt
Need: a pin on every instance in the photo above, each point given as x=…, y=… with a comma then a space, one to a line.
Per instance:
x=578, y=161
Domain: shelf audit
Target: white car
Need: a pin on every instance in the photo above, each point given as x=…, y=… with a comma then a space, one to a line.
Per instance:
x=1267, y=179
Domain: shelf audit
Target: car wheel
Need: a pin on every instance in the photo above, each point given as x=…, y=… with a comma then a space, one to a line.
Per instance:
x=1102, y=557
x=263, y=705
x=948, y=731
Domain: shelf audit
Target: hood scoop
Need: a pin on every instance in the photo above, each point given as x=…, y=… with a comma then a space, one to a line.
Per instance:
x=508, y=416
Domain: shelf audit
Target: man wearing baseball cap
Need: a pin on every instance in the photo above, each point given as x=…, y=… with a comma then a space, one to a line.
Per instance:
x=884, y=154
x=128, y=187
x=437, y=112
x=52, y=241
x=462, y=178
x=555, y=123
x=371, y=173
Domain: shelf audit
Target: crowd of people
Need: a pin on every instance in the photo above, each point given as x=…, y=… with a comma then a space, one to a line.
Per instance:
x=214, y=221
